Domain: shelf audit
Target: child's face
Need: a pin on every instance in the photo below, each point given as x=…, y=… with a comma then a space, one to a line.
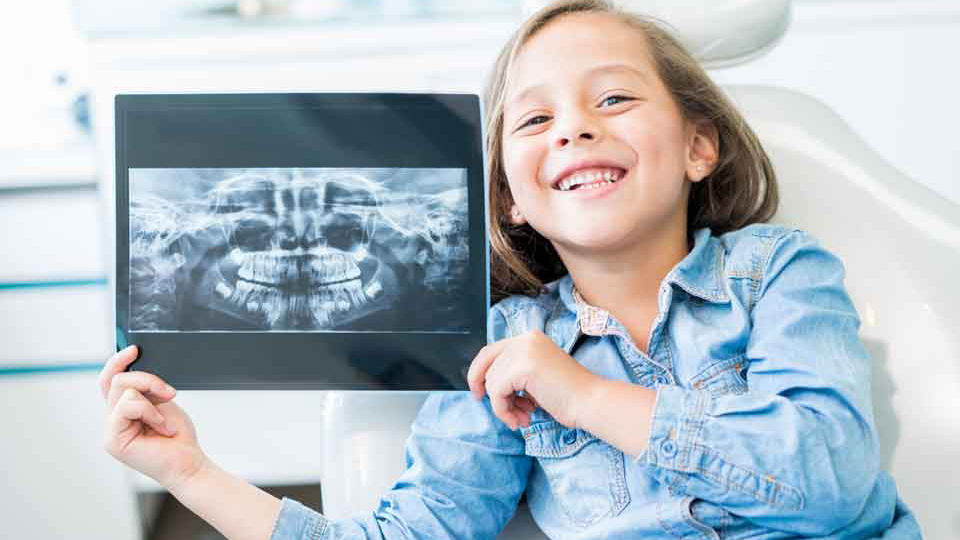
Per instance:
x=585, y=96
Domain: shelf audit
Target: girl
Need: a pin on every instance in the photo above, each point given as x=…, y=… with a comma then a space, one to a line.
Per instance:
x=663, y=364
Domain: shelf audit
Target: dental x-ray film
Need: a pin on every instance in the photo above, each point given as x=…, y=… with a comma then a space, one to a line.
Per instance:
x=327, y=241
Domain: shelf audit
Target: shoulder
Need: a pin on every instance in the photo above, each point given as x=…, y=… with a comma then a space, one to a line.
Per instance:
x=757, y=248
x=516, y=314
x=518, y=303
x=786, y=262
x=755, y=237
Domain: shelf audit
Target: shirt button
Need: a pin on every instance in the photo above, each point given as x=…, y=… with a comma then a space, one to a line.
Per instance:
x=570, y=437
x=668, y=448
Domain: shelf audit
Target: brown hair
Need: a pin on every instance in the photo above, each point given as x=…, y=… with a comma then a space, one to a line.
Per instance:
x=742, y=188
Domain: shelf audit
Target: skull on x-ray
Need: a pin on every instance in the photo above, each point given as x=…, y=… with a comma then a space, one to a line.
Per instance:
x=294, y=250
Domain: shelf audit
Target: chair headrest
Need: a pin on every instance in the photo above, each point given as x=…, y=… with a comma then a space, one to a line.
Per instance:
x=718, y=33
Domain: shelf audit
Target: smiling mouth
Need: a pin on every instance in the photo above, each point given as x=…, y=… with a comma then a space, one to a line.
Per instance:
x=592, y=178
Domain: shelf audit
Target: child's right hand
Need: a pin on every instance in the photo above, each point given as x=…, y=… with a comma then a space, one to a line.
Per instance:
x=145, y=429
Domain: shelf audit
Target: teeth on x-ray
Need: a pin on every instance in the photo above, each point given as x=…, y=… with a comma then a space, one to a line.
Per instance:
x=294, y=249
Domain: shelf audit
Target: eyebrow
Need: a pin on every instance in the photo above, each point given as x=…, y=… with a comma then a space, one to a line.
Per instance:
x=599, y=70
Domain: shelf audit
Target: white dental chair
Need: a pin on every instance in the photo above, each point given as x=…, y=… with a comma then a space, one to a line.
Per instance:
x=900, y=244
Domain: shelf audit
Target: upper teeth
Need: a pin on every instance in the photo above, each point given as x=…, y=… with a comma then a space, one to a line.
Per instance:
x=595, y=177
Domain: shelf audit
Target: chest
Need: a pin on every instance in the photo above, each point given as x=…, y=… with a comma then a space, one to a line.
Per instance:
x=686, y=347
x=639, y=328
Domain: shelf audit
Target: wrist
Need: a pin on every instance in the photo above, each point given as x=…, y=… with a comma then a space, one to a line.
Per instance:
x=588, y=401
x=201, y=466
x=237, y=509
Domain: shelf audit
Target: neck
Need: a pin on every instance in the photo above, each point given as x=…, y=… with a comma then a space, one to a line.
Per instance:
x=628, y=282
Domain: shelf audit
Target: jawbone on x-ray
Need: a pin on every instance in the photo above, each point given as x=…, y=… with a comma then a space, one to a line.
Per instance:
x=297, y=249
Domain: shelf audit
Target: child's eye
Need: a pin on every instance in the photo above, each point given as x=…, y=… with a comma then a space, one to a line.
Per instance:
x=539, y=119
x=613, y=100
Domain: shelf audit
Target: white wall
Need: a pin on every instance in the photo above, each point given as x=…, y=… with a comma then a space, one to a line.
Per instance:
x=888, y=68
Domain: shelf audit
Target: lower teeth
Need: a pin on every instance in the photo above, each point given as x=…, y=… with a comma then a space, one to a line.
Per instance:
x=591, y=186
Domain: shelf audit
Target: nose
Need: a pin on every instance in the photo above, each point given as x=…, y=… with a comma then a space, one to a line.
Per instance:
x=295, y=225
x=291, y=233
x=578, y=128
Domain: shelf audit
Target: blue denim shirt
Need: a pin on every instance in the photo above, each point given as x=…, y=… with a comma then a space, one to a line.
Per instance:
x=762, y=428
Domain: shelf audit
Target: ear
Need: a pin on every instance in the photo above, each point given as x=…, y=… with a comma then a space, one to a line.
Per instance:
x=515, y=216
x=702, y=144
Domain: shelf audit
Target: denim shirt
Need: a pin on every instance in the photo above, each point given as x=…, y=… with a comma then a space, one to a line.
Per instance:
x=762, y=426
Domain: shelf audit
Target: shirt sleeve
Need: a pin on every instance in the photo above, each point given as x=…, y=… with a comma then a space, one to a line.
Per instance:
x=465, y=471
x=798, y=450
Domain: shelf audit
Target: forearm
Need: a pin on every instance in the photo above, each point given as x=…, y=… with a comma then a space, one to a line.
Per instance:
x=618, y=412
x=235, y=508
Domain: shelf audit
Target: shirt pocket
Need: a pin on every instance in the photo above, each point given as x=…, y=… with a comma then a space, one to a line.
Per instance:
x=586, y=475
x=726, y=525
x=723, y=377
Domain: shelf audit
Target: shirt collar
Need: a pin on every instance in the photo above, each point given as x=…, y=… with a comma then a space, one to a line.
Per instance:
x=699, y=273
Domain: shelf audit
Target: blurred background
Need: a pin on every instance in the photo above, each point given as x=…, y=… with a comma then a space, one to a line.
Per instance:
x=887, y=67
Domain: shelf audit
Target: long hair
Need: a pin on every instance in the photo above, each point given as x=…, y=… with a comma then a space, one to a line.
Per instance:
x=742, y=188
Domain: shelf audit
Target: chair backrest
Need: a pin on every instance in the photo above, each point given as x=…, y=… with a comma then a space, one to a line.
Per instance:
x=900, y=245
x=717, y=34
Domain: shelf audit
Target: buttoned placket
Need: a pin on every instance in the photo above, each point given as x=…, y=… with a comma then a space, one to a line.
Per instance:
x=595, y=321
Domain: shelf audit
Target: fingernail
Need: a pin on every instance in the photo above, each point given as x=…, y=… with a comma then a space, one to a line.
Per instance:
x=161, y=389
x=170, y=428
x=169, y=389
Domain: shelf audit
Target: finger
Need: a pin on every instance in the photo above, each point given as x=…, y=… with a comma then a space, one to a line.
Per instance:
x=525, y=404
x=518, y=417
x=523, y=418
x=115, y=364
x=521, y=407
x=500, y=384
x=145, y=383
x=133, y=407
x=478, y=367
x=481, y=363
x=503, y=410
x=532, y=401
x=503, y=401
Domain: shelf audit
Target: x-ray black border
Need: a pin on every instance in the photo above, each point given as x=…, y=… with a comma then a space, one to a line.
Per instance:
x=363, y=130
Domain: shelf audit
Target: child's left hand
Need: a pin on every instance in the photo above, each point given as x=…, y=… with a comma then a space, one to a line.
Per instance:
x=548, y=376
